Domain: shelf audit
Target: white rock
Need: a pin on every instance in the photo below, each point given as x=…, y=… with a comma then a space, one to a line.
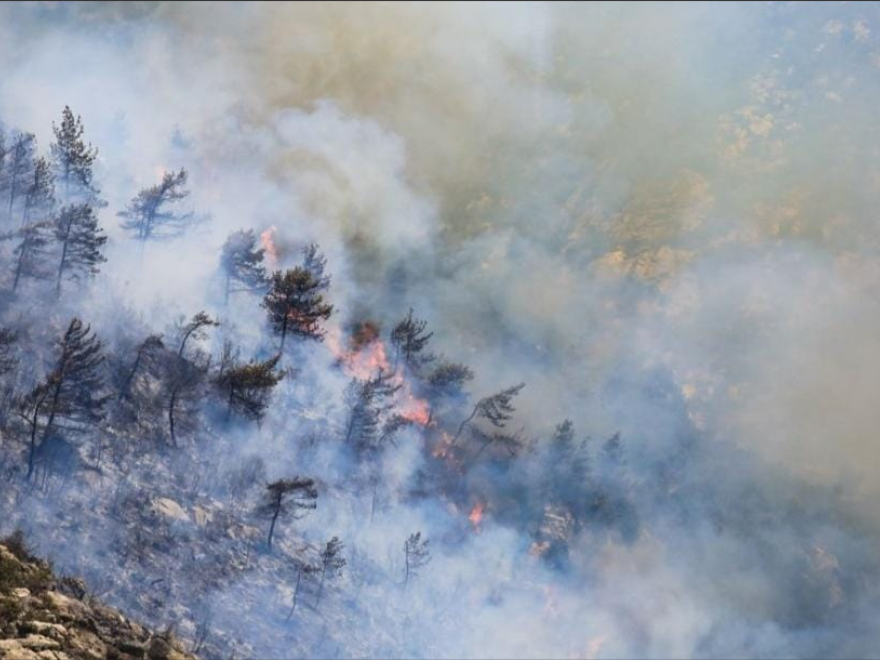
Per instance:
x=170, y=509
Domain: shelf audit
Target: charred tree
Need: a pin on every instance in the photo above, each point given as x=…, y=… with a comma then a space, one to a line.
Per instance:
x=81, y=241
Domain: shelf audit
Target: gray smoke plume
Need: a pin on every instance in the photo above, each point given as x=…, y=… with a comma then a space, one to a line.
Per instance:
x=660, y=217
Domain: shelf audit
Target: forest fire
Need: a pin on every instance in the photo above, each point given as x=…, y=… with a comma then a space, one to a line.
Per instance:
x=367, y=356
x=476, y=516
x=415, y=410
x=267, y=240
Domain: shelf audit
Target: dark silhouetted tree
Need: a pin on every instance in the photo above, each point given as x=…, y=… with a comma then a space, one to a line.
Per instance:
x=71, y=397
x=39, y=197
x=332, y=563
x=31, y=253
x=496, y=409
x=567, y=468
x=410, y=339
x=247, y=388
x=315, y=262
x=417, y=554
x=241, y=263
x=288, y=498
x=73, y=159
x=81, y=241
x=181, y=386
x=153, y=214
x=367, y=400
x=295, y=304
x=145, y=358
x=195, y=329
x=18, y=170
x=448, y=378
x=510, y=442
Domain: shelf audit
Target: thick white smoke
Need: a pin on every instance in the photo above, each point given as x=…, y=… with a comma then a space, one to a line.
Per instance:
x=660, y=217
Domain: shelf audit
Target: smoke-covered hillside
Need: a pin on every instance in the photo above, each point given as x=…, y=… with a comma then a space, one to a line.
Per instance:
x=447, y=330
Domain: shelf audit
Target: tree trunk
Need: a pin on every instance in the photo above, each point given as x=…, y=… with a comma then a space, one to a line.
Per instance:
x=123, y=394
x=295, y=593
x=283, y=333
x=18, y=266
x=171, y=416
x=63, y=258
x=274, y=520
x=185, y=338
x=461, y=428
x=33, y=448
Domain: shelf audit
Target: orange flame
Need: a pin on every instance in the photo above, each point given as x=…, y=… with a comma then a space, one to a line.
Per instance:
x=476, y=516
x=368, y=355
x=267, y=240
x=415, y=410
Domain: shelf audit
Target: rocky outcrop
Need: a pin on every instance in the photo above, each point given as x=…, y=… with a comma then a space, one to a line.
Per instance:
x=46, y=618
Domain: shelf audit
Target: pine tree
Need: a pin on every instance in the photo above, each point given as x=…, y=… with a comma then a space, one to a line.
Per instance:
x=195, y=329
x=181, y=389
x=295, y=304
x=32, y=250
x=81, y=240
x=567, y=468
x=247, y=388
x=368, y=400
x=416, y=553
x=288, y=497
x=409, y=340
x=241, y=263
x=332, y=563
x=510, y=442
x=496, y=409
x=73, y=159
x=40, y=192
x=448, y=378
x=304, y=571
x=145, y=358
x=72, y=393
x=315, y=262
x=153, y=214
x=19, y=167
